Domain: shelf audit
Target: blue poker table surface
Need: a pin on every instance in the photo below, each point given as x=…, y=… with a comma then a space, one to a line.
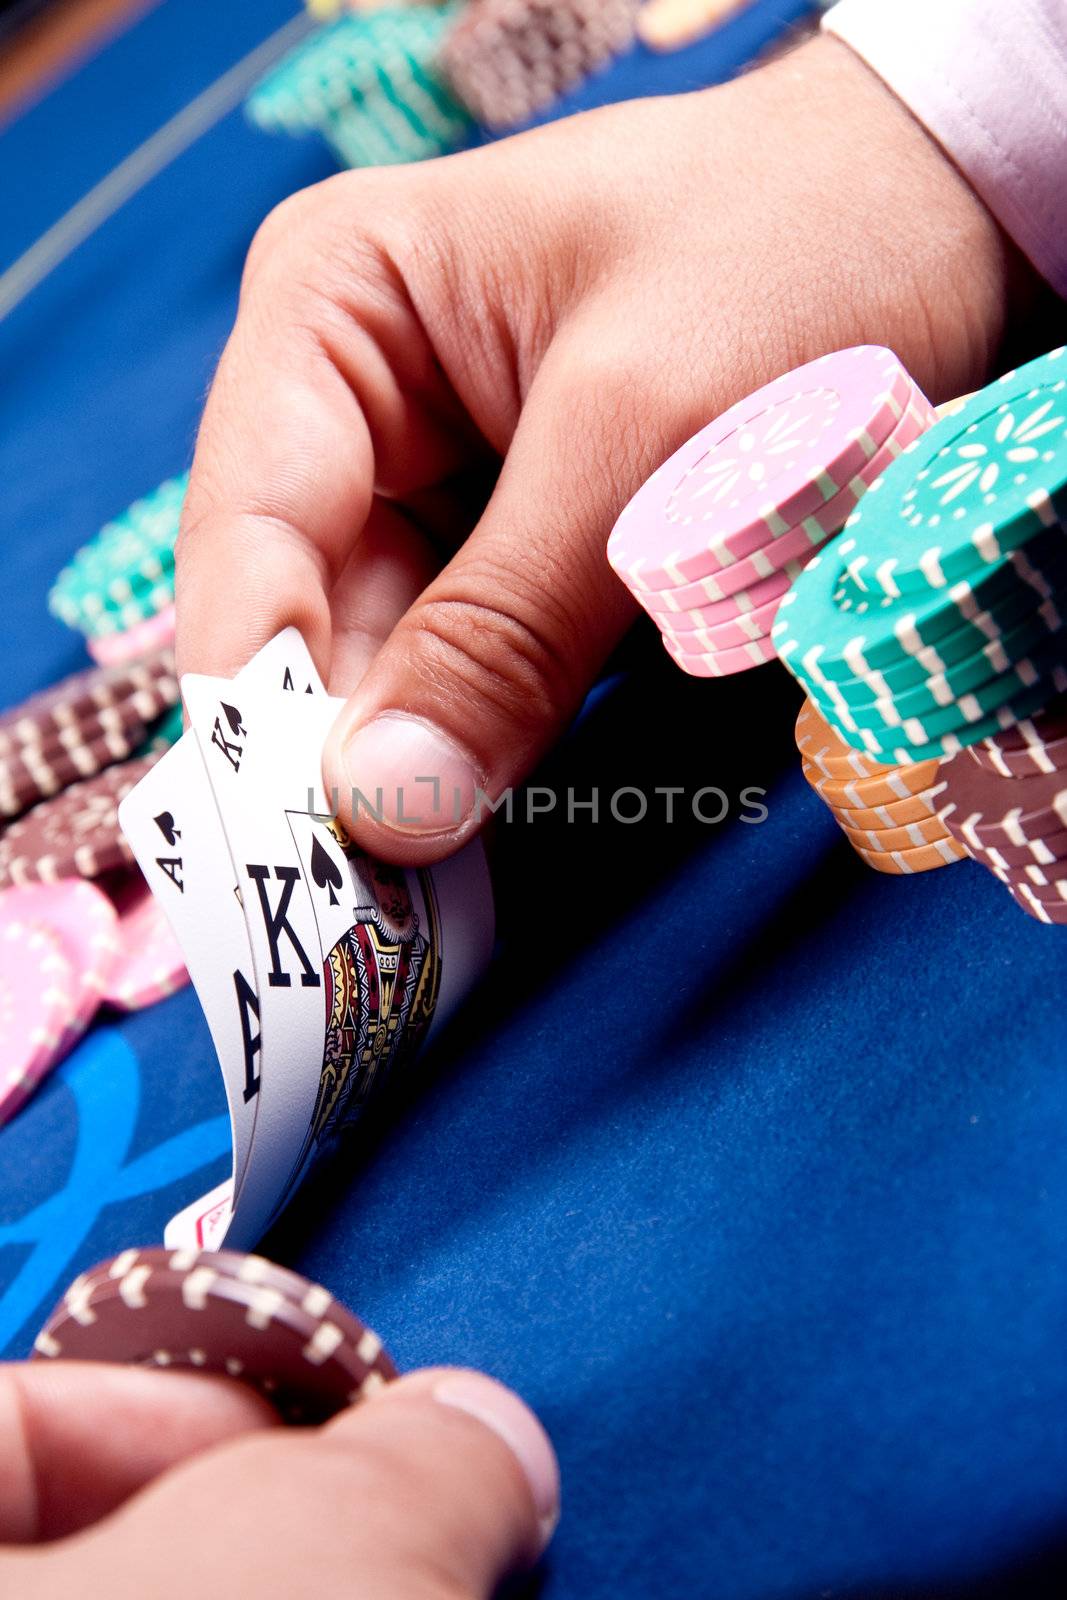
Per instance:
x=746, y=1166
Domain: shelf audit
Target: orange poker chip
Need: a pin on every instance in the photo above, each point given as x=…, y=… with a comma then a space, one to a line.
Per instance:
x=901, y=863
x=827, y=751
x=863, y=794
x=910, y=836
x=891, y=814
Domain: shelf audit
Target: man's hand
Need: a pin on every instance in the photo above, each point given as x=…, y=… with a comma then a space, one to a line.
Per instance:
x=574, y=302
x=120, y=1481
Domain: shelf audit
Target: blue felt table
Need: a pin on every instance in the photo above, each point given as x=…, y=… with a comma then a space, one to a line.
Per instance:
x=746, y=1166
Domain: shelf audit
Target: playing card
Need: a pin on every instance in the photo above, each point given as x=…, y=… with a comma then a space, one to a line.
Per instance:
x=355, y=962
x=173, y=826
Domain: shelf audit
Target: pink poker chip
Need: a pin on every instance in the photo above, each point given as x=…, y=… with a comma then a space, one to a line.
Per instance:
x=151, y=634
x=36, y=994
x=741, y=604
x=149, y=965
x=83, y=920
x=691, y=625
x=763, y=467
x=700, y=627
x=721, y=663
x=795, y=549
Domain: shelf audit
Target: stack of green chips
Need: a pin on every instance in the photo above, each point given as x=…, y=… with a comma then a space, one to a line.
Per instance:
x=939, y=617
x=126, y=574
x=368, y=84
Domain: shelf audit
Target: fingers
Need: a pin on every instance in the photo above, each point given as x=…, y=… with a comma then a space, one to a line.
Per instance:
x=76, y=1439
x=433, y=1490
x=328, y=386
x=495, y=657
x=388, y=569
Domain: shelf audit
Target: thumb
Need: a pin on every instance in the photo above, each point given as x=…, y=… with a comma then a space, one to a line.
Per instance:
x=486, y=668
x=434, y=1489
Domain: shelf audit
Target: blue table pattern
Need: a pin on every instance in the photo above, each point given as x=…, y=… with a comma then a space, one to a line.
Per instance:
x=745, y=1166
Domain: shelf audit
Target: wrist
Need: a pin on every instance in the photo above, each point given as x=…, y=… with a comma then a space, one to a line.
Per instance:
x=910, y=256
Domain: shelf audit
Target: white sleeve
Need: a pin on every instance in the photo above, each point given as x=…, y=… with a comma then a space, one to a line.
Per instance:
x=988, y=79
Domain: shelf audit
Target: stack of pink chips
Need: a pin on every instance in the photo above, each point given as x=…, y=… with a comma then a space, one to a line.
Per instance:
x=712, y=541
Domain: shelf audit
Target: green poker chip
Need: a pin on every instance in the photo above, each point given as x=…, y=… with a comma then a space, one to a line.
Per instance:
x=1010, y=589
x=126, y=573
x=904, y=643
x=949, y=705
x=899, y=750
x=977, y=484
x=976, y=651
x=369, y=84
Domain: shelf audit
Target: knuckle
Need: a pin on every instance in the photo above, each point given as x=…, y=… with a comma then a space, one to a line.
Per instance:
x=513, y=654
x=282, y=228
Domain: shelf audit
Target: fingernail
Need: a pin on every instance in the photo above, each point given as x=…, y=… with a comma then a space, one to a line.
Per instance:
x=410, y=775
x=520, y=1430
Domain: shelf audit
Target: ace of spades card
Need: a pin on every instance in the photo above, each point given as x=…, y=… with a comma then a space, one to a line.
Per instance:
x=355, y=962
x=174, y=828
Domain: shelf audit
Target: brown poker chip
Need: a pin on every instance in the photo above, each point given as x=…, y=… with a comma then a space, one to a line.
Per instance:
x=1052, y=911
x=75, y=834
x=83, y=702
x=222, y=1312
x=506, y=59
x=1035, y=745
x=1043, y=876
x=36, y=772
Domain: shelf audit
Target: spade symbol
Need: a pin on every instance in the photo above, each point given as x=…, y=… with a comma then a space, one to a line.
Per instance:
x=233, y=717
x=165, y=823
x=324, y=870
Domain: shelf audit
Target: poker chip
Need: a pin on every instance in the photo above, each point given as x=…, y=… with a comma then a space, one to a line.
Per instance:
x=1034, y=745
x=819, y=744
x=1040, y=875
x=1050, y=911
x=706, y=597
x=79, y=727
x=82, y=919
x=720, y=663
x=369, y=84
x=226, y=1313
x=82, y=701
x=74, y=834
x=994, y=811
x=148, y=964
x=126, y=574
x=1042, y=883
x=940, y=704
x=990, y=642
x=937, y=619
x=844, y=799
x=35, y=993
x=760, y=469
x=886, y=816
x=983, y=482
x=741, y=628
x=957, y=622
x=507, y=59
x=902, y=863
x=1043, y=853
x=151, y=634
x=760, y=489
x=905, y=836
